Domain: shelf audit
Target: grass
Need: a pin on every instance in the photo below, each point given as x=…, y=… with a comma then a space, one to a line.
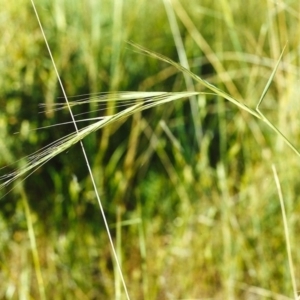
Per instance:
x=190, y=218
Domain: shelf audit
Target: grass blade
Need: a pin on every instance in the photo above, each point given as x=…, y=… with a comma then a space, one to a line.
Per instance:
x=286, y=232
x=269, y=82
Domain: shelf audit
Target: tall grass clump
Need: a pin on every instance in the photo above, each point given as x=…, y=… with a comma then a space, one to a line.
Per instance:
x=200, y=195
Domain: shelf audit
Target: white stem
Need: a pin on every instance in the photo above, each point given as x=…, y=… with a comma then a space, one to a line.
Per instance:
x=85, y=157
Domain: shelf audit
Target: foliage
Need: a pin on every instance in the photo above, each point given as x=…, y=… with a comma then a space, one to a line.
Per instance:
x=187, y=186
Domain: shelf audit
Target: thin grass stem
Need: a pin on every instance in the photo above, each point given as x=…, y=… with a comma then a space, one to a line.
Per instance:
x=34, y=251
x=286, y=232
x=85, y=156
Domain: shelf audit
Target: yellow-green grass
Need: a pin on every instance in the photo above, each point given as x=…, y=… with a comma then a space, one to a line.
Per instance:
x=187, y=187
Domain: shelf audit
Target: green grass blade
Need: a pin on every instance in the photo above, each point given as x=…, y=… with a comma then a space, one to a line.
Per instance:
x=286, y=232
x=269, y=81
x=264, y=118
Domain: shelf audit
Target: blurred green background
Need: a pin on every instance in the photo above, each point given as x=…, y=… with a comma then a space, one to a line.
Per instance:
x=187, y=187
